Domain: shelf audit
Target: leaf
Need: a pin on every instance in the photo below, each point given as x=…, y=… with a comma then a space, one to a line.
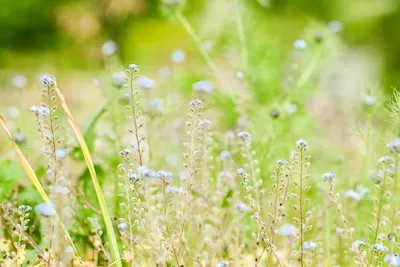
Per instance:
x=89, y=133
x=8, y=176
x=226, y=201
x=227, y=105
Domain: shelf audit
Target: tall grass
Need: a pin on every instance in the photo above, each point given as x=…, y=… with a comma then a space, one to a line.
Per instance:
x=238, y=168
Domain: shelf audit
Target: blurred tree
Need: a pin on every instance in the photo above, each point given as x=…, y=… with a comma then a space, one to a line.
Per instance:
x=27, y=23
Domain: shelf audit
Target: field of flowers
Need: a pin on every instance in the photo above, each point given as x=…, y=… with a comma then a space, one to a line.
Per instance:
x=254, y=153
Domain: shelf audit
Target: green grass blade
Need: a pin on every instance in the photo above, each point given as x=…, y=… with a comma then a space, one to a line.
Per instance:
x=25, y=164
x=99, y=193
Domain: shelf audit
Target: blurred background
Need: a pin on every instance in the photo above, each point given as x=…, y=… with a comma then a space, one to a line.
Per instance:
x=68, y=34
x=69, y=38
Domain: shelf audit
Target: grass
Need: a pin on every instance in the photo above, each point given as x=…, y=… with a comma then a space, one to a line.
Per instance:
x=254, y=166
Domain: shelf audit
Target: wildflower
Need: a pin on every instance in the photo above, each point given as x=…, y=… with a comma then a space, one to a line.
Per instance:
x=240, y=171
x=172, y=159
x=275, y=113
x=96, y=82
x=245, y=136
x=241, y=206
x=392, y=260
x=164, y=175
x=291, y=108
x=224, y=154
x=369, y=101
x=42, y=110
x=301, y=144
x=118, y=78
x=157, y=106
x=109, y=48
x=46, y=209
x=146, y=172
x=339, y=231
x=385, y=160
x=309, y=245
x=379, y=247
x=281, y=162
x=133, y=67
x=25, y=208
x=226, y=174
x=131, y=175
x=196, y=102
x=300, y=44
x=47, y=80
x=329, y=176
x=358, y=194
x=144, y=82
x=122, y=226
x=13, y=112
x=19, y=138
x=174, y=190
x=204, y=123
x=172, y=3
x=394, y=146
x=208, y=45
x=178, y=56
x=335, y=26
x=203, y=86
x=61, y=190
x=61, y=153
x=240, y=75
x=19, y=81
x=164, y=72
x=357, y=244
x=222, y=264
x=288, y=230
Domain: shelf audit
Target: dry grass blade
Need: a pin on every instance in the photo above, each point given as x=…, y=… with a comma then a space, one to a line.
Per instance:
x=99, y=193
x=32, y=176
x=25, y=164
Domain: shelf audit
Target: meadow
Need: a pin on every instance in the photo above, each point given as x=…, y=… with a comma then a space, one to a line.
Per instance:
x=248, y=150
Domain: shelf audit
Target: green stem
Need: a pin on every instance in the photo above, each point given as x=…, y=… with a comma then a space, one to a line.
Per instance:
x=301, y=208
x=196, y=39
x=309, y=71
x=242, y=35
